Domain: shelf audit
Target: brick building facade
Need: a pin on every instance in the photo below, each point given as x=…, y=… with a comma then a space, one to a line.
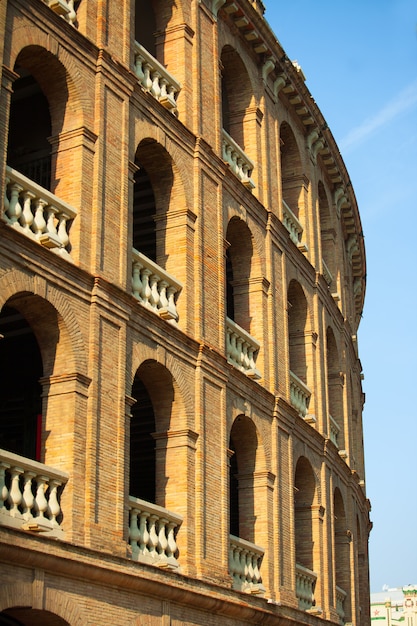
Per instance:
x=182, y=275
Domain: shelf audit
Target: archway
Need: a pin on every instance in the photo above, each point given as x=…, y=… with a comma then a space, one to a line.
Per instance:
x=20, y=389
x=24, y=616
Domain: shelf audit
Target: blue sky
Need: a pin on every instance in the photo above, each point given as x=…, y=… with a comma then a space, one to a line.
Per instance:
x=360, y=61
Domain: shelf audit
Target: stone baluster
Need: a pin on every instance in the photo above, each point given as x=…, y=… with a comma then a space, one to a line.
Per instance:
x=256, y=571
x=163, y=300
x=54, y=508
x=71, y=16
x=134, y=533
x=146, y=291
x=41, y=503
x=50, y=221
x=155, y=88
x=143, y=532
x=26, y=219
x=62, y=229
x=137, y=286
x=162, y=539
x=171, y=291
x=154, y=298
x=153, y=535
x=171, y=543
x=4, y=492
x=15, y=210
x=15, y=495
x=28, y=499
x=39, y=220
x=147, y=80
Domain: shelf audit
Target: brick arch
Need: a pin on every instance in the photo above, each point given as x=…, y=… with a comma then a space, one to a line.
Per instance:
x=238, y=99
x=142, y=353
x=230, y=42
x=40, y=54
x=243, y=270
x=171, y=155
x=14, y=284
x=54, y=602
x=299, y=327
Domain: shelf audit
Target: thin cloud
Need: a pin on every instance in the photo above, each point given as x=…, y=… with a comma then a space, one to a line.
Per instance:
x=406, y=99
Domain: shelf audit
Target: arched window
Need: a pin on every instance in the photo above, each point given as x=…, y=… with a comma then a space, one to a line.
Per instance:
x=144, y=213
x=301, y=351
x=294, y=188
x=23, y=616
x=335, y=391
x=237, y=98
x=20, y=389
x=28, y=148
x=238, y=272
x=243, y=443
x=142, y=444
x=342, y=538
x=249, y=505
x=297, y=326
x=307, y=536
x=145, y=25
x=328, y=240
x=291, y=170
x=305, y=492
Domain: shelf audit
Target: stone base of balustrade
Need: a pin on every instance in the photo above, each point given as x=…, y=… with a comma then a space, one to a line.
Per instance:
x=250, y=588
x=49, y=241
x=253, y=373
x=163, y=562
x=33, y=525
x=168, y=314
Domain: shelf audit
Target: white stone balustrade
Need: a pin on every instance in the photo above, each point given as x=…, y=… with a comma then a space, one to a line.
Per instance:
x=340, y=603
x=326, y=273
x=152, y=534
x=300, y=395
x=37, y=213
x=153, y=287
x=293, y=225
x=245, y=559
x=29, y=494
x=155, y=79
x=305, y=581
x=64, y=8
x=334, y=430
x=241, y=349
x=238, y=161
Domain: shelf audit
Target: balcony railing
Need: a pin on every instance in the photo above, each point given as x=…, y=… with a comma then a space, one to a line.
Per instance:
x=305, y=581
x=64, y=8
x=153, y=287
x=152, y=534
x=334, y=430
x=238, y=161
x=300, y=395
x=241, y=349
x=155, y=79
x=37, y=213
x=340, y=603
x=245, y=561
x=30, y=495
x=293, y=225
x=326, y=273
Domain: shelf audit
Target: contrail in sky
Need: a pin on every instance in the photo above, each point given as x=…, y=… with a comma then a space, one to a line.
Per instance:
x=406, y=99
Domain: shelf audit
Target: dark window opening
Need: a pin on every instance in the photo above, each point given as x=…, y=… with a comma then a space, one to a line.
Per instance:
x=142, y=445
x=144, y=210
x=29, y=150
x=20, y=390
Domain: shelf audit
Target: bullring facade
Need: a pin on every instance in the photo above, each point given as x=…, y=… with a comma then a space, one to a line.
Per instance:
x=182, y=275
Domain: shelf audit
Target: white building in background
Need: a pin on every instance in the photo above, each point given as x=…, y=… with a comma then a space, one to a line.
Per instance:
x=395, y=606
